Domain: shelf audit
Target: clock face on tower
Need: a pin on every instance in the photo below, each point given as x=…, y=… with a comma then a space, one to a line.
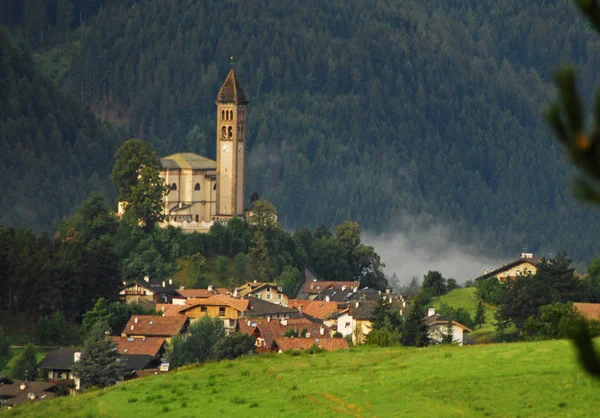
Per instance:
x=226, y=147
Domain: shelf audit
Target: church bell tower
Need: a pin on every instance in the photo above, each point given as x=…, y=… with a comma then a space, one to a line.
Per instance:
x=231, y=147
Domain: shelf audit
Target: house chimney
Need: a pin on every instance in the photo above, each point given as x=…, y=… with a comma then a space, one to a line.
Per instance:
x=76, y=356
x=22, y=386
x=344, y=287
x=327, y=299
x=163, y=283
x=300, y=308
x=135, y=320
x=210, y=287
x=430, y=312
x=124, y=283
x=355, y=289
x=162, y=308
x=249, y=322
x=170, y=282
x=283, y=322
x=31, y=396
x=235, y=293
x=146, y=278
x=132, y=327
x=322, y=331
x=357, y=303
x=268, y=318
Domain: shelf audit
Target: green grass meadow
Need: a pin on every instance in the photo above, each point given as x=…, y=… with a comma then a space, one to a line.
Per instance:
x=536, y=379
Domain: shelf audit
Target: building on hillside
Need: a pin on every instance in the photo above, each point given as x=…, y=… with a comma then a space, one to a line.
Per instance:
x=262, y=290
x=356, y=319
x=20, y=392
x=525, y=264
x=225, y=307
x=324, y=311
x=151, y=346
x=438, y=329
x=266, y=331
x=202, y=190
x=259, y=308
x=143, y=326
x=58, y=365
x=313, y=287
x=149, y=290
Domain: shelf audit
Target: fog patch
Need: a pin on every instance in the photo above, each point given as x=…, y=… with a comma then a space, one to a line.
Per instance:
x=413, y=253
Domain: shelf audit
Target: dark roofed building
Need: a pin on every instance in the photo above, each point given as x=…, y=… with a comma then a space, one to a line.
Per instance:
x=149, y=290
x=59, y=365
x=21, y=392
x=259, y=308
x=526, y=263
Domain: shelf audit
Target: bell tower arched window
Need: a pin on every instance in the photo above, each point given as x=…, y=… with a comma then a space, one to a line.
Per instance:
x=223, y=132
x=231, y=114
x=215, y=186
x=174, y=186
x=197, y=186
x=230, y=132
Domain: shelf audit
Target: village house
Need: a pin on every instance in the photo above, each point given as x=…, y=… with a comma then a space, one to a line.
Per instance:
x=262, y=290
x=319, y=309
x=525, y=264
x=313, y=287
x=149, y=290
x=225, y=307
x=59, y=364
x=356, y=319
x=258, y=308
x=144, y=326
x=438, y=329
x=19, y=392
x=266, y=331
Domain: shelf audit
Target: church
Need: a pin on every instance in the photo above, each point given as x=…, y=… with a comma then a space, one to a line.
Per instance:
x=202, y=190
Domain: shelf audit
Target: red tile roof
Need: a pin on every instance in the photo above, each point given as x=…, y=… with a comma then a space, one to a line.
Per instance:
x=315, y=308
x=168, y=309
x=272, y=330
x=196, y=293
x=590, y=311
x=155, y=326
x=149, y=345
x=328, y=344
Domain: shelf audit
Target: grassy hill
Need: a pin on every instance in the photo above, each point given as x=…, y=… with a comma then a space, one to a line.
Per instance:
x=466, y=299
x=502, y=380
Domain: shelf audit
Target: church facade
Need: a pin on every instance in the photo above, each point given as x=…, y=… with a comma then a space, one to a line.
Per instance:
x=202, y=190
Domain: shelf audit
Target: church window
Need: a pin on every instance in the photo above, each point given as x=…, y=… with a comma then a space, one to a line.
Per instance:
x=197, y=186
x=215, y=186
x=231, y=114
x=174, y=186
x=222, y=114
x=230, y=132
x=197, y=217
x=224, y=132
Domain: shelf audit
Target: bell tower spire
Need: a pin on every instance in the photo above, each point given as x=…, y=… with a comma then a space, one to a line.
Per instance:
x=231, y=146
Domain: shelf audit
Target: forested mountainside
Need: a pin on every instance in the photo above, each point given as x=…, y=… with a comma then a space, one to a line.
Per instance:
x=52, y=152
x=374, y=111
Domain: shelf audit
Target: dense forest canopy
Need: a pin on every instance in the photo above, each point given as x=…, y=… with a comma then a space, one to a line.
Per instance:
x=361, y=110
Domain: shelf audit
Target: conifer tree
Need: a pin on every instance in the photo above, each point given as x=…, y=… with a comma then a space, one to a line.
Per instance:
x=25, y=365
x=414, y=330
x=100, y=364
x=479, y=315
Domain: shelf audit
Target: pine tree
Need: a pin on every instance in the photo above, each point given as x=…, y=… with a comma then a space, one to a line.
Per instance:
x=100, y=364
x=25, y=365
x=414, y=330
x=480, y=315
